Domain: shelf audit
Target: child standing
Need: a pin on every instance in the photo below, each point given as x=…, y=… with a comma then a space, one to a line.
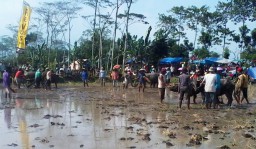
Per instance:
x=102, y=76
x=84, y=76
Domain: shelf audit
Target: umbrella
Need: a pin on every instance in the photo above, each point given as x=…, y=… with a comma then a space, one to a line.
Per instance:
x=116, y=67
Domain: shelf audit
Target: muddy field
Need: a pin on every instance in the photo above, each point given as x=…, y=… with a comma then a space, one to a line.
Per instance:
x=95, y=117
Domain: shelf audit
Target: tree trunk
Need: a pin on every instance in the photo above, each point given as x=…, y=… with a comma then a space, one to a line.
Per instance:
x=129, y=3
x=94, y=26
x=114, y=37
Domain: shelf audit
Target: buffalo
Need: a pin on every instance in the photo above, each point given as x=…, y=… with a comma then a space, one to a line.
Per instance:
x=227, y=89
x=153, y=77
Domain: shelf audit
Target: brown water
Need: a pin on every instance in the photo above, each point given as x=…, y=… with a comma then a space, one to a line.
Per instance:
x=106, y=118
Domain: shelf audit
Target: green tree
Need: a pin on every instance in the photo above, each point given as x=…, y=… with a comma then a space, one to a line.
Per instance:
x=226, y=53
x=201, y=53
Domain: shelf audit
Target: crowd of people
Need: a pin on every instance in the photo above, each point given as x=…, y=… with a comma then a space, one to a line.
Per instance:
x=39, y=79
x=209, y=78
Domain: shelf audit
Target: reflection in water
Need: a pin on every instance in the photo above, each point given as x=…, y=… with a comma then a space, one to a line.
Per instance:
x=97, y=119
x=7, y=117
x=21, y=117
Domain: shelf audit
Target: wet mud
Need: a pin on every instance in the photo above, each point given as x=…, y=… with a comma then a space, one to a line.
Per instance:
x=97, y=117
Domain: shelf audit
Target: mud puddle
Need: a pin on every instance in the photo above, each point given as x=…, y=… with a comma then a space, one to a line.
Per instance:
x=105, y=118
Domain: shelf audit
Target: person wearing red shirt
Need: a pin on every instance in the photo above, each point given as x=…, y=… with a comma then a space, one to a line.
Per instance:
x=19, y=76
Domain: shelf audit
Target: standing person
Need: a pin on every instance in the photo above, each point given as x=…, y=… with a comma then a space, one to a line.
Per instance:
x=168, y=75
x=84, y=76
x=238, y=86
x=125, y=81
x=218, y=85
x=161, y=84
x=172, y=70
x=210, y=81
x=102, y=76
x=128, y=75
x=48, y=79
x=115, y=77
x=244, y=86
x=7, y=83
x=142, y=79
x=19, y=76
x=152, y=70
x=184, y=80
x=38, y=78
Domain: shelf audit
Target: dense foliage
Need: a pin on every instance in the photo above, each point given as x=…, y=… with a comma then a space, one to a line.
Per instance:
x=49, y=41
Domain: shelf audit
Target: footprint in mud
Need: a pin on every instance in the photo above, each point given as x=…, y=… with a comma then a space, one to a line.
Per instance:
x=51, y=146
x=129, y=128
x=146, y=137
x=168, y=144
x=78, y=122
x=34, y=125
x=13, y=144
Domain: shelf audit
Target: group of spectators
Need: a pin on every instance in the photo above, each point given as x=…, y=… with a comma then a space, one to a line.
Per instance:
x=41, y=79
x=211, y=80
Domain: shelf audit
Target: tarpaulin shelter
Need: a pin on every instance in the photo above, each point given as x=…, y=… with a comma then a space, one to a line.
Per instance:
x=211, y=60
x=216, y=60
x=224, y=61
x=202, y=62
x=170, y=60
x=252, y=72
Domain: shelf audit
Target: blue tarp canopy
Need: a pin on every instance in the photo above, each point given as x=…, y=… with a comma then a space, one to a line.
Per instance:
x=252, y=72
x=170, y=60
x=199, y=62
x=211, y=60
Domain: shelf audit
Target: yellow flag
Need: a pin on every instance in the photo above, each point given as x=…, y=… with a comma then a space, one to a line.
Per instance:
x=23, y=28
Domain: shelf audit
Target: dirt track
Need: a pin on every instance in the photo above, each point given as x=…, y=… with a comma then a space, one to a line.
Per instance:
x=105, y=117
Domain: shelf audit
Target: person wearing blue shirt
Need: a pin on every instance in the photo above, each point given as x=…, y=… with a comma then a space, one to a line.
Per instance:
x=217, y=86
x=84, y=76
x=142, y=81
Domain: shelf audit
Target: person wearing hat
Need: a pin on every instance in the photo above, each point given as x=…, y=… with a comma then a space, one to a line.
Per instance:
x=115, y=77
x=210, y=81
x=184, y=80
x=142, y=79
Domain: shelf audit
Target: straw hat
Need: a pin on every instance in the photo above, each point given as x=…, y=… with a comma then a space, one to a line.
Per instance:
x=142, y=69
x=211, y=69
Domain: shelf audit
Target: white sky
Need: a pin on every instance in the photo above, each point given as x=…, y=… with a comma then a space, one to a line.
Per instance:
x=11, y=10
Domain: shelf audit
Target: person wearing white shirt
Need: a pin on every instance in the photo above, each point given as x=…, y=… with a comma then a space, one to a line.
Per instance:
x=102, y=76
x=210, y=81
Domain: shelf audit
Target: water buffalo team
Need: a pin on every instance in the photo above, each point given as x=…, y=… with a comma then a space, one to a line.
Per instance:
x=211, y=82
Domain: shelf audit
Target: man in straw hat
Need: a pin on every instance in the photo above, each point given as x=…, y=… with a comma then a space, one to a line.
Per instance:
x=210, y=81
x=142, y=79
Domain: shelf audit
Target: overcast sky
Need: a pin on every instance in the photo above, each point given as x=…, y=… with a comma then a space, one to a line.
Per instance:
x=11, y=11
